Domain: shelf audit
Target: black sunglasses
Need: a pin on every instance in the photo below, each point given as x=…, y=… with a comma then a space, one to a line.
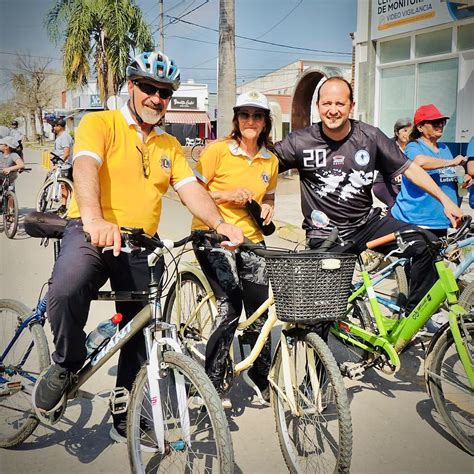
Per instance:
x=437, y=122
x=150, y=89
x=246, y=115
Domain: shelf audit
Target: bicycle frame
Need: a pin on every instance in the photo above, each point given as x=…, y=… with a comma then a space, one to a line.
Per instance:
x=394, y=335
x=248, y=361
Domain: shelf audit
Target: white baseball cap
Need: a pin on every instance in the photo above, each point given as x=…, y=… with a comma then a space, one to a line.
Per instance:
x=252, y=99
x=9, y=141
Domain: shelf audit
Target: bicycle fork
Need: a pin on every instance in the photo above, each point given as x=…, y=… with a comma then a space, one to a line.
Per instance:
x=156, y=371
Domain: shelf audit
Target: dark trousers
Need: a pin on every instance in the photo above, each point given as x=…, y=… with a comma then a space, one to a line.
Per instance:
x=423, y=273
x=237, y=280
x=79, y=272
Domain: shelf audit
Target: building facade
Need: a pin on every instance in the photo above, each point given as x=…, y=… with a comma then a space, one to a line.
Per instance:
x=414, y=52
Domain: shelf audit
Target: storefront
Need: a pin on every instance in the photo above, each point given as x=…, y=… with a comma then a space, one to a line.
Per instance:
x=416, y=52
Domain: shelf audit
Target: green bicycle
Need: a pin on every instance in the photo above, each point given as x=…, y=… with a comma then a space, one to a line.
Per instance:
x=377, y=341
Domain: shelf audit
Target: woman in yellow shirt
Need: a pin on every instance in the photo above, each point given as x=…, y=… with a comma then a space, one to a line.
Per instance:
x=235, y=171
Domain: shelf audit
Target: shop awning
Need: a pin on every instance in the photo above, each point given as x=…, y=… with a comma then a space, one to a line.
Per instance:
x=187, y=117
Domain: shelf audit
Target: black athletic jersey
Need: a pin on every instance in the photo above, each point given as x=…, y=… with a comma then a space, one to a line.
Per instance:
x=336, y=177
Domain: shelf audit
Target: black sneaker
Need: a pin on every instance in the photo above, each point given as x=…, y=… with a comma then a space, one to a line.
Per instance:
x=261, y=382
x=52, y=386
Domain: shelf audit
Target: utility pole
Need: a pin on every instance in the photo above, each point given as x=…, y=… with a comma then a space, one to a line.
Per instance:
x=226, y=86
x=162, y=36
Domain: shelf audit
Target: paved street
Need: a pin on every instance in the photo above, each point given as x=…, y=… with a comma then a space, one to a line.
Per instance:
x=395, y=426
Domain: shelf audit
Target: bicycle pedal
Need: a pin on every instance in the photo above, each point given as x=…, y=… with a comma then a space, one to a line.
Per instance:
x=118, y=400
x=354, y=371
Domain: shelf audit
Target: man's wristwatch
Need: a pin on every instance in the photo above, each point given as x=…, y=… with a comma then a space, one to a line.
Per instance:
x=218, y=223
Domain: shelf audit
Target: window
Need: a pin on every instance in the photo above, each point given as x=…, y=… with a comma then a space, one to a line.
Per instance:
x=436, y=42
x=466, y=37
x=395, y=50
x=397, y=96
x=437, y=84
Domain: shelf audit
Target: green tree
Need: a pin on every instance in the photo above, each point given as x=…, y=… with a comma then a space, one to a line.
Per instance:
x=105, y=33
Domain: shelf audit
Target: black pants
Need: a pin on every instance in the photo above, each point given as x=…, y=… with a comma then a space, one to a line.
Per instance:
x=78, y=274
x=423, y=273
x=237, y=280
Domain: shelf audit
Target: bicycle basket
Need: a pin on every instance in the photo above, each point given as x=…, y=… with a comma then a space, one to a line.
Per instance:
x=309, y=287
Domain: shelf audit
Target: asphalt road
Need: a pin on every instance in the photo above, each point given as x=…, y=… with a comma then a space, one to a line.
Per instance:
x=396, y=428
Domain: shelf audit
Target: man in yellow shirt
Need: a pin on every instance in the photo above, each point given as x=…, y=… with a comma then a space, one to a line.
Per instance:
x=123, y=164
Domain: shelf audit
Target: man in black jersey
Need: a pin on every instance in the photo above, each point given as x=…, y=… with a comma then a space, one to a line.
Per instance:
x=337, y=159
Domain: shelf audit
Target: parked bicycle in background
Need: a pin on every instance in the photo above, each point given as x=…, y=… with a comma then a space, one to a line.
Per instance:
x=56, y=192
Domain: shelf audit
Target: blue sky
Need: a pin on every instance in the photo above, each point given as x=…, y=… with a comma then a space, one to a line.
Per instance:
x=322, y=25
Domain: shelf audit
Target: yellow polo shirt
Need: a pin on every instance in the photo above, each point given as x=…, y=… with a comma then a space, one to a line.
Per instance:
x=128, y=198
x=224, y=166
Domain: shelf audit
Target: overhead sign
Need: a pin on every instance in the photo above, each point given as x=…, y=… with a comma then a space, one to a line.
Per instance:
x=95, y=101
x=183, y=103
x=392, y=17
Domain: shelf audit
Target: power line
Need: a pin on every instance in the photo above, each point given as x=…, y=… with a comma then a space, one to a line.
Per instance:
x=176, y=19
x=262, y=41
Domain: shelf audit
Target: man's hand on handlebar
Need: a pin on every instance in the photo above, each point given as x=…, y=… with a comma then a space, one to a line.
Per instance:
x=104, y=234
x=233, y=233
x=453, y=213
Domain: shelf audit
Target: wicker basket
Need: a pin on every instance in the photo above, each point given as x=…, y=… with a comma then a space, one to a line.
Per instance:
x=310, y=287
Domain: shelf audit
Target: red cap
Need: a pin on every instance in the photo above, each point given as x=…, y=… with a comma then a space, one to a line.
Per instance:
x=427, y=112
x=117, y=318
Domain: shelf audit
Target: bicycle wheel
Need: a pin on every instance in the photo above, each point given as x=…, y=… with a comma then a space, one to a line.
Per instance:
x=392, y=290
x=466, y=300
x=449, y=387
x=319, y=437
x=55, y=199
x=19, y=369
x=343, y=350
x=10, y=216
x=210, y=449
x=192, y=313
x=196, y=151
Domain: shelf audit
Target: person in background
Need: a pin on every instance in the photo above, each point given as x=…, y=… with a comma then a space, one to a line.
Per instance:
x=386, y=189
x=63, y=142
x=413, y=204
x=17, y=134
x=235, y=171
x=10, y=161
x=470, y=169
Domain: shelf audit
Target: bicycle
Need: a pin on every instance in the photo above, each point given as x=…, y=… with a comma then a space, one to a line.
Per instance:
x=199, y=145
x=307, y=393
x=175, y=418
x=376, y=341
x=9, y=205
x=56, y=192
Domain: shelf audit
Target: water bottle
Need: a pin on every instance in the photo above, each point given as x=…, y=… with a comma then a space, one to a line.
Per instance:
x=460, y=172
x=105, y=330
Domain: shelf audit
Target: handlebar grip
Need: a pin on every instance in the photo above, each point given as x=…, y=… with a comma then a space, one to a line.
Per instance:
x=381, y=241
x=330, y=241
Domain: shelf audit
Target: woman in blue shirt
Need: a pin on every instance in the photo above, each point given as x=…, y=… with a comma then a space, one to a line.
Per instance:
x=413, y=205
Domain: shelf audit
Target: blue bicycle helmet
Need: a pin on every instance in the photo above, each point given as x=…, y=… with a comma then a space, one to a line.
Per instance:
x=155, y=67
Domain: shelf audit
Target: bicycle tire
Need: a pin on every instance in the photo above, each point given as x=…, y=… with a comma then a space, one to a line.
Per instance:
x=466, y=299
x=357, y=313
x=10, y=215
x=212, y=453
x=325, y=413
x=455, y=407
x=193, y=335
x=45, y=203
x=18, y=419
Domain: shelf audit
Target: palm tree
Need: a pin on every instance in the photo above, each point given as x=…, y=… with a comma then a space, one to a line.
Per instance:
x=103, y=32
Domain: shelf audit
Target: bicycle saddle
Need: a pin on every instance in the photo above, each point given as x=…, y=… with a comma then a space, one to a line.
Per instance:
x=44, y=225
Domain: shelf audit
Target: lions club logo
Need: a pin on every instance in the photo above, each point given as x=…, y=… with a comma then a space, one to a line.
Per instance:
x=165, y=163
x=362, y=158
x=265, y=177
